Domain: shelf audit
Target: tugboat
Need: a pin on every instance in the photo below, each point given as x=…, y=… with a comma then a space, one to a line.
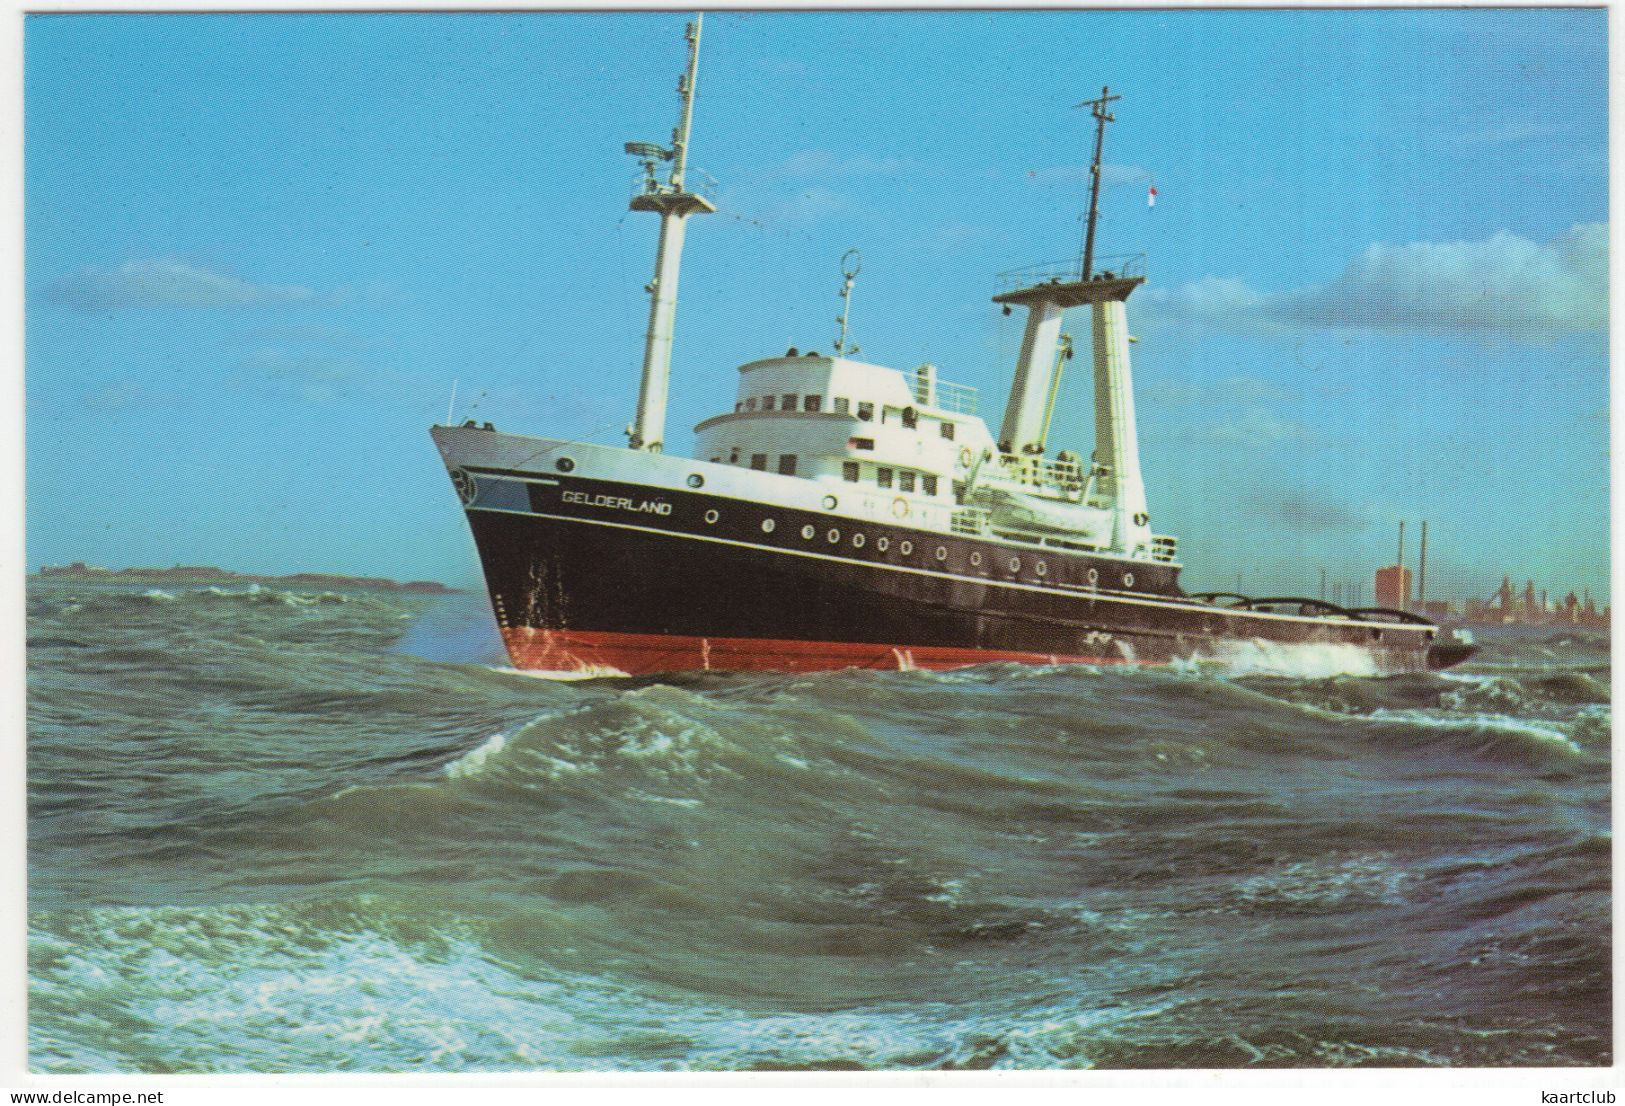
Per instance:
x=847, y=514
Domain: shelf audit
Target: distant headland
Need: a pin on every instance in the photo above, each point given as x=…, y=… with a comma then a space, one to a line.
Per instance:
x=208, y=574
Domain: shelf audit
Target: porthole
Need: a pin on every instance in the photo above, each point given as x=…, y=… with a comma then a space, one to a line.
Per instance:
x=942, y=552
x=768, y=526
x=695, y=480
x=808, y=532
x=1128, y=579
x=564, y=464
x=1094, y=576
x=1041, y=568
x=857, y=541
x=883, y=544
x=711, y=517
x=975, y=559
x=833, y=536
x=830, y=503
x=906, y=548
x=1015, y=564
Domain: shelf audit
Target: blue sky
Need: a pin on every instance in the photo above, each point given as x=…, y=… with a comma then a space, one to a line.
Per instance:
x=260, y=248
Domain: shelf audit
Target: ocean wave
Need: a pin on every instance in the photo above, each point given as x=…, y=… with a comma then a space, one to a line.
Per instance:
x=266, y=836
x=342, y=985
x=473, y=761
x=339, y=985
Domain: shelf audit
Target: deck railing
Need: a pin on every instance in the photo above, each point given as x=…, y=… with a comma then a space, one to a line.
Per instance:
x=696, y=182
x=1070, y=271
x=1039, y=472
x=957, y=398
x=971, y=521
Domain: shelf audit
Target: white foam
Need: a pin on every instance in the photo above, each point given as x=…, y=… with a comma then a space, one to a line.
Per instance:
x=472, y=763
x=585, y=672
x=1307, y=660
x=1480, y=723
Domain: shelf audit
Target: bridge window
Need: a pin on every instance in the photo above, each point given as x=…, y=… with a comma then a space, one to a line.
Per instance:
x=843, y=406
x=860, y=443
x=929, y=484
x=740, y=406
x=787, y=464
x=866, y=410
x=948, y=430
x=750, y=404
x=910, y=418
x=767, y=403
x=812, y=403
x=905, y=481
x=758, y=461
x=883, y=477
x=849, y=471
x=789, y=403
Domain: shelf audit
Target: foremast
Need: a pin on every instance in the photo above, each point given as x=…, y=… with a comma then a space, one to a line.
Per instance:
x=674, y=203
x=1047, y=292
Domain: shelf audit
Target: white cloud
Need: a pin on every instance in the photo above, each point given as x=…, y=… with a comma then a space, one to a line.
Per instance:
x=1505, y=286
x=1212, y=300
x=165, y=282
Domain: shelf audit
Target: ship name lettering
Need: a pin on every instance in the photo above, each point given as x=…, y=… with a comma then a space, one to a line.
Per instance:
x=619, y=503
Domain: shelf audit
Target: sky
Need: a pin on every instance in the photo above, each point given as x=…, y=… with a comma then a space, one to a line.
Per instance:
x=262, y=249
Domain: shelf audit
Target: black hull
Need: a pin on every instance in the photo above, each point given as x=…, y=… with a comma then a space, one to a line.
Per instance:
x=589, y=574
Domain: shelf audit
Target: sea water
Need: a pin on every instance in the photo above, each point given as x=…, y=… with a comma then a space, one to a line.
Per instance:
x=281, y=831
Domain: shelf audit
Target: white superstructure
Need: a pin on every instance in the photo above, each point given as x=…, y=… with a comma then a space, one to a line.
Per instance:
x=906, y=444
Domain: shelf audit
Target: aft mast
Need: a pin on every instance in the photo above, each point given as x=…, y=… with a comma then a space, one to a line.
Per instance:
x=674, y=203
x=1047, y=291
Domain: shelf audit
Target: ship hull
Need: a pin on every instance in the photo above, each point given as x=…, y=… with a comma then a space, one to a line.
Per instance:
x=592, y=575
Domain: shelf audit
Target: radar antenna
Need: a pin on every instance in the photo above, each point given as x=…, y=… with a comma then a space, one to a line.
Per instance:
x=851, y=265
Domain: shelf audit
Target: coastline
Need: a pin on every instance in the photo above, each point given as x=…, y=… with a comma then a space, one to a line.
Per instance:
x=209, y=574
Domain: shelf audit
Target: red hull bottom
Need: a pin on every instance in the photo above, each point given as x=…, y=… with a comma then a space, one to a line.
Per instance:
x=583, y=653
